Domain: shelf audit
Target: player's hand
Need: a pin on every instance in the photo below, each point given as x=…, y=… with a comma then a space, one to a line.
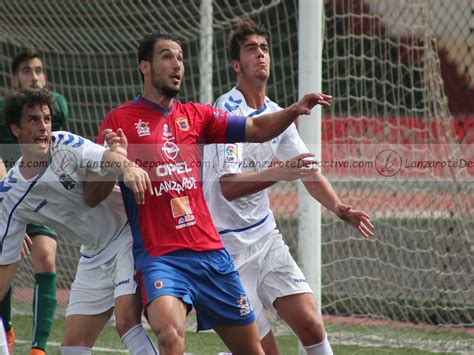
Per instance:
x=27, y=243
x=117, y=141
x=137, y=180
x=304, y=106
x=357, y=219
x=298, y=167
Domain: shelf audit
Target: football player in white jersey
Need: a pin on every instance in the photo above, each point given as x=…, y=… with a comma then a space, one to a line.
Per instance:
x=234, y=184
x=48, y=185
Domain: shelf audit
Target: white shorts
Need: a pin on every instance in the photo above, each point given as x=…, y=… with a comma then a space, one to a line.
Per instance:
x=267, y=271
x=94, y=290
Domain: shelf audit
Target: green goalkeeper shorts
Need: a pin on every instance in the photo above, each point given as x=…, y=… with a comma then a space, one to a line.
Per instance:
x=34, y=229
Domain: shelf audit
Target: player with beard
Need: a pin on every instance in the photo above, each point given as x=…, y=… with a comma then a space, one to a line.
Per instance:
x=181, y=262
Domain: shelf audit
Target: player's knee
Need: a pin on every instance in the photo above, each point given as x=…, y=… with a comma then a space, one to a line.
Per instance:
x=313, y=331
x=169, y=335
x=45, y=262
x=125, y=322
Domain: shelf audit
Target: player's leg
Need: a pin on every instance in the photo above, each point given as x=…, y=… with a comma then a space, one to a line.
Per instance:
x=248, y=263
x=222, y=303
x=166, y=285
x=6, y=314
x=43, y=251
x=90, y=305
x=8, y=273
x=9, y=262
x=300, y=313
x=82, y=330
x=128, y=308
x=241, y=340
x=285, y=292
x=167, y=316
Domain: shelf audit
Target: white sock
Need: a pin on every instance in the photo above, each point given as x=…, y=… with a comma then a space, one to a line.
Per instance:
x=138, y=342
x=75, y=350
x=322, y=348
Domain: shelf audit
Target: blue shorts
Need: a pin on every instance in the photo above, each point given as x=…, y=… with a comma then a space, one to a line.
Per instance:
x=206, y=280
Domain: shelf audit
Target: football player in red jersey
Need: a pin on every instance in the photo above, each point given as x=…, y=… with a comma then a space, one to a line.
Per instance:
x=180, y=259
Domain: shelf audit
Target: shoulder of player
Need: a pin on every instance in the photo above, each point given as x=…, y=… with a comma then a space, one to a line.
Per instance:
x=66, y=139
x=272, y=105
x=232, y=101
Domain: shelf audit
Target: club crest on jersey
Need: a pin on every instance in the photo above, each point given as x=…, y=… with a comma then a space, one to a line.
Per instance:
x=244, y=305
x=183, y=123
x=158, y=284
x=67, y=182
x=142, y=128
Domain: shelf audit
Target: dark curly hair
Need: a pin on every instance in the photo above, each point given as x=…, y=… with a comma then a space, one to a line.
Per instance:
x=17, y=101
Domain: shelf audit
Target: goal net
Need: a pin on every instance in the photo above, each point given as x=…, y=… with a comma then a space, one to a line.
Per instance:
x=381, y=64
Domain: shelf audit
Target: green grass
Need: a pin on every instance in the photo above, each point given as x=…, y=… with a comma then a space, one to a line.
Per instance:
x=209, y=343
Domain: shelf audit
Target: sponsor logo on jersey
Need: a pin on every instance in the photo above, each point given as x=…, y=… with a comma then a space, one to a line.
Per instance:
x=176, y=186
x=183, y=123
x=244, y=305
x=170, y=149
x=168, y=169
x=142, y=128
x=166, y=132
x=158, y=284
x=181, y=208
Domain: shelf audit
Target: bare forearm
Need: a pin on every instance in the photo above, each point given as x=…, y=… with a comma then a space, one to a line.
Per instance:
x=264, y=128
x=321, y=189
x=97, y=188
x=242, y=184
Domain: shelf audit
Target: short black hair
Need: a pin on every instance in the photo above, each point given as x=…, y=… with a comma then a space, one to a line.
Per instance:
x=21, y=57
x=147, y=44
x=16, y=101
x=240, y=32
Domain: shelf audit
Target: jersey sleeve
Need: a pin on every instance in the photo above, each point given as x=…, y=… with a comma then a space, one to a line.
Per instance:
x=80, y=152
x=60, y=111
x=220, y=127
x=12, y=229
x=290, y=144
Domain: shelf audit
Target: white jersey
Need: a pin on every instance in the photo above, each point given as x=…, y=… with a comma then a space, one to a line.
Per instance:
x=245, y=220
x=56, y=198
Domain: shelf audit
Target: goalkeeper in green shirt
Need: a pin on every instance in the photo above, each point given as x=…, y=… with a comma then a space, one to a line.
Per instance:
x=27, y=71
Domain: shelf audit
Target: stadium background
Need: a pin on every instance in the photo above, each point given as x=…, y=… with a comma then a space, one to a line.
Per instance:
x=419, y=269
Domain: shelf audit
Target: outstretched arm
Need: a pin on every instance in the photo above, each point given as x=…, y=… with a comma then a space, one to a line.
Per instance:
x=321, y=189
x=265, y=127
x=241, y=184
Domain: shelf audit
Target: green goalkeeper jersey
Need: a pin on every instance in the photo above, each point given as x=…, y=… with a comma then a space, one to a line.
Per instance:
x=9, y=149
